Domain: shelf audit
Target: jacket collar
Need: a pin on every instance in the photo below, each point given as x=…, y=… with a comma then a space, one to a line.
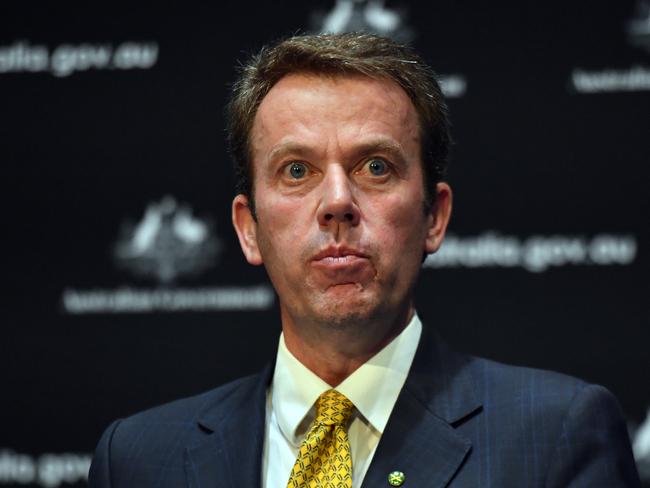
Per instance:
x=230, y=455
x=420, y=439
x=442, y=379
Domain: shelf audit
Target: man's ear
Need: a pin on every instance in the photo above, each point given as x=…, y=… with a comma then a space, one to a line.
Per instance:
x=438, y=218
x=246, y=228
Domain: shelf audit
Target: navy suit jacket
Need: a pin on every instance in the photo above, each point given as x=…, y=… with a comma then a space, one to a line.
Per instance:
x=459, y=421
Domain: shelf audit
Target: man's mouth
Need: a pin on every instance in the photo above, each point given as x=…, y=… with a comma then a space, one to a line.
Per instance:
x=339, y=265
x=339, y=255
x=339, y=260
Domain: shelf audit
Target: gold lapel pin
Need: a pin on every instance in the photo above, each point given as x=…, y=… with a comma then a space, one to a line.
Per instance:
x=396, y=478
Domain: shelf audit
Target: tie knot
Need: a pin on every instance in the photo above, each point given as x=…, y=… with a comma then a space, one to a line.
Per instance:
x=333, y=408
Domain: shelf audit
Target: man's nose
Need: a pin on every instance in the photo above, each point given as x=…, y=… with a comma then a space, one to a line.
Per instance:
x=337, y=204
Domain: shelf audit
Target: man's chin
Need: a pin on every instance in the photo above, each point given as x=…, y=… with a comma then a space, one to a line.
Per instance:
x=346, y=308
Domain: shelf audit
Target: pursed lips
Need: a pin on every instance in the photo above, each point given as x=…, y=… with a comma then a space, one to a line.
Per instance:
x=343, y=265
x=339, y=255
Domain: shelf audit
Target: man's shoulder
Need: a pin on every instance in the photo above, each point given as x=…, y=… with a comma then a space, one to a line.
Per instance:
x=491, y=374
x=454, y=384
x=502, y=385
x=184, y=420
x=135, y=450
x=488, y=381
x=469, y=390
x=188, y=410
x=539, y=401
x=552, y=423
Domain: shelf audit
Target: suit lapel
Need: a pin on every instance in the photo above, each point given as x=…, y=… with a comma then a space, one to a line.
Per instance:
x=230, y=455
x=420, y=439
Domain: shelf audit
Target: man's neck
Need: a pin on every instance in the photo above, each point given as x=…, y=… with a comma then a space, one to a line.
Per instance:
x=335, y=353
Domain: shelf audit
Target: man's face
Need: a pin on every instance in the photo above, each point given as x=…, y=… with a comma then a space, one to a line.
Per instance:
x=339, y=197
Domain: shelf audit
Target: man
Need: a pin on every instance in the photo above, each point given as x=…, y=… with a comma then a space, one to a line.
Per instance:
x=340, y=144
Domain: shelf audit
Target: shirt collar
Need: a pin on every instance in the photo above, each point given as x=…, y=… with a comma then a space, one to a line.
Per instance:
x=373, y=387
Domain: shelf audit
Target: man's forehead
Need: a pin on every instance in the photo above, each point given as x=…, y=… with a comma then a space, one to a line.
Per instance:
x=306, y=80
x=309, y=100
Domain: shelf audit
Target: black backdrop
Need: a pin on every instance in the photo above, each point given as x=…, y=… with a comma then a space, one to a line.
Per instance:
x=124, y=285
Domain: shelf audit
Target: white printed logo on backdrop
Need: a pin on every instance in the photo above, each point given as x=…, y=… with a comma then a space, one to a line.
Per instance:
x=363, y=15
x=49, y=470
x=633, y=78
x=374, y=17
x=536, y=253
x=66, y=59
x=166, y=244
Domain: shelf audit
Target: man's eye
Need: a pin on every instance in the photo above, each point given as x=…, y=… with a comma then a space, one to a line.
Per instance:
x=297, y=170
x=377, y=166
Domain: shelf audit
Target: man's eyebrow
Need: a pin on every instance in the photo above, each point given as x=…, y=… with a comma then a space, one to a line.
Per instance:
x=289, y=147
x=380, y=145
x=362, y=148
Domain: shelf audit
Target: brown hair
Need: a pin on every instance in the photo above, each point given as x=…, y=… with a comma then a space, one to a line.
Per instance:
x=339, y=54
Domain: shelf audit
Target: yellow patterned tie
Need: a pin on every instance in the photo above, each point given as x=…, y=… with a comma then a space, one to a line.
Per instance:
x=324, y=458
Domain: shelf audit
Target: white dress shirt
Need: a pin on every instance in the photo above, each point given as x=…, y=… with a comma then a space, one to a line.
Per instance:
x=373, y=389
